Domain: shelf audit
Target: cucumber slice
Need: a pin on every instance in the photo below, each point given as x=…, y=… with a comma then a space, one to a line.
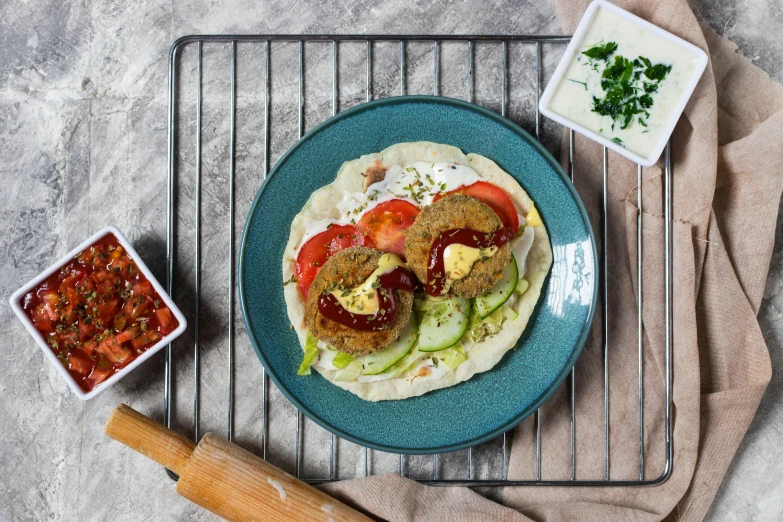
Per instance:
x=381, y=361
x=499, y=294
x=404, y=364
x=443, y=325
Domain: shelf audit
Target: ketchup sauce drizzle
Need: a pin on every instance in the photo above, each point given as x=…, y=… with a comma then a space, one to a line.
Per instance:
x=400, y=278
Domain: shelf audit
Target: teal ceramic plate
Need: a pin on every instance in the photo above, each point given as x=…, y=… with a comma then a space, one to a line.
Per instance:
x=489, y=403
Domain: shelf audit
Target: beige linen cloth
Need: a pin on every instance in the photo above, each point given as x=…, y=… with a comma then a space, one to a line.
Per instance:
x=727, y=154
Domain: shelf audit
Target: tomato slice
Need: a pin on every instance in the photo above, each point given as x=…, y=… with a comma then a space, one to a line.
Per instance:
x=321, y=247
x=493, y=196
x=388, y=223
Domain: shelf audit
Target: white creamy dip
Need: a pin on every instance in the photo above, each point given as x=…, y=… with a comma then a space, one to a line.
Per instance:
x=417, y=183
x=573, y=98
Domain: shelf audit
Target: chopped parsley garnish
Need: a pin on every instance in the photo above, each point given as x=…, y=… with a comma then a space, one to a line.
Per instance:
x=601, y=52
x=627, y=85
x=657, y=72
x=584, y=84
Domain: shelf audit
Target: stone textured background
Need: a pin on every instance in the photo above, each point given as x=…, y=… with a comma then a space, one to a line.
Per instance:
x=83, y=121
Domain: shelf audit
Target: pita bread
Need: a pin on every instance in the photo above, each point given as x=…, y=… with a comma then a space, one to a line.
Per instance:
x=483, y=355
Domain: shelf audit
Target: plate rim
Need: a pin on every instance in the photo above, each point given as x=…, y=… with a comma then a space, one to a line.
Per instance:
x=578, y=346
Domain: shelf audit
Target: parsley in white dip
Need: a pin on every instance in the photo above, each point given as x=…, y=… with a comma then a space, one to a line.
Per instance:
x=624, y=82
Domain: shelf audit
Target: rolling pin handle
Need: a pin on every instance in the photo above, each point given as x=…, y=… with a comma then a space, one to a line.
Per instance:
x=140, y=433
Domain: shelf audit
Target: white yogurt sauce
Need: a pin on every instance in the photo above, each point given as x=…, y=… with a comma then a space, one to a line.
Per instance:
x=520, y=247
x=575, y=102
x=417, y=183
x=434, y=373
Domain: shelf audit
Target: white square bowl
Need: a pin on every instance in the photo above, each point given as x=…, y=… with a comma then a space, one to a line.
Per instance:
x=573, y=48
x=17, y=297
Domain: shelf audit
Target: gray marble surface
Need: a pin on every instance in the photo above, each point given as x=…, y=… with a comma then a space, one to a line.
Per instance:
x=83, y=144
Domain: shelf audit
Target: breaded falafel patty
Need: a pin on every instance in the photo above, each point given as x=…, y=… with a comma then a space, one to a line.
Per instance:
x=457, y=211
x=350, y=268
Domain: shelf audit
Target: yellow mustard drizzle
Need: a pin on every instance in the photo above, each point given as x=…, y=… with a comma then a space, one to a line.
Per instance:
x=459, y=259
x=363, y=300
x=533, y=217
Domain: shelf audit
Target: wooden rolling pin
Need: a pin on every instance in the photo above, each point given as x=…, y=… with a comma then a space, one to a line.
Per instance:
x=223, y=478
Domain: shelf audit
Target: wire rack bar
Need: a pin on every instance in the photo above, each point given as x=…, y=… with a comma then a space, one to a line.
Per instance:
x=538, y=137
x=572, y=376
x=197, y=257
x=436, y=40
x=232, y=285
x=264, y=376
x=605, y=299
x=640, y=315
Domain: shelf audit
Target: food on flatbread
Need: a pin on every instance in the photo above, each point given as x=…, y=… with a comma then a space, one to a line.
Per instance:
x=458, y=235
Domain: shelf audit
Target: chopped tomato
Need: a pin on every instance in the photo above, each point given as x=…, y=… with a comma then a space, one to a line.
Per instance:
x=321, y=247
x=387, y=224
x=85, y=285
x=86, y=330
x=493, y=196
x=101, y=275
x=69, y=283
x=98, y=312
x=106, y=311
x=50, y=300
x=68, y=338
x=118, y=263
x=143, y=288
x=112, y=350
x=42, y=319
x=98, y=376
x=106, y=289
x=79, y=364
x=120, y=321
x=71, y=300
x=165, y=320
x=147, y=338
x=45, y=314
x=90, y=346
x=135, y=307
x=127, y=335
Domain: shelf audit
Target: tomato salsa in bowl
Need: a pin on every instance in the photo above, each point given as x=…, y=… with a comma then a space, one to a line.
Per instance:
x=98, y=313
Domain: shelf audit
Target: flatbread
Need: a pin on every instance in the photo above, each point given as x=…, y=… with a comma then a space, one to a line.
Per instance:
x=482, y=356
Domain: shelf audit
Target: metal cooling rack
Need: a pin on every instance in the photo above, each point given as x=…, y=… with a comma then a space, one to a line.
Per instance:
x=436, y=41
